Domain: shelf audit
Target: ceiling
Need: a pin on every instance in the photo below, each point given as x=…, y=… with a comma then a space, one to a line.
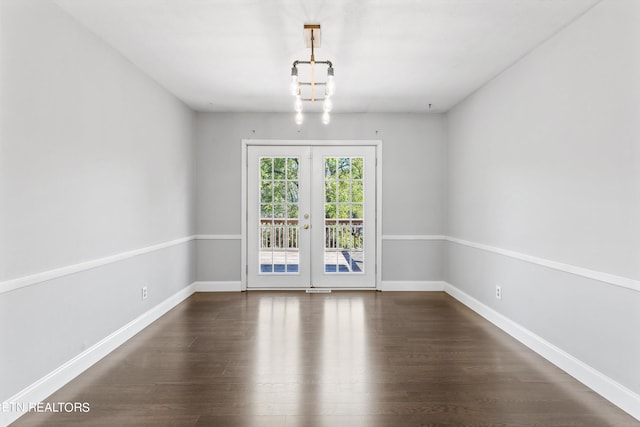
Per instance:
x=388, y=55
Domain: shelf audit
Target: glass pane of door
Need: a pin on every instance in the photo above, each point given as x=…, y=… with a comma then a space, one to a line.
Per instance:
x=278, y=194
x=278, y=220
x=344, y=211
x=344, y=215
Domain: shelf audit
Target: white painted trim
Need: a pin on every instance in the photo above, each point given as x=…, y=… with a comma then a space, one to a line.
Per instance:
x=600, y=276
x=329, y=142
x=218, y=236
x=592, y=378
x=303, y=289
x=21, y=282
x=579, y=271
x=45, y=386
x=413, y=237
x=235, y=286
x=379, y=215
x=412, y=286
x=244, y=216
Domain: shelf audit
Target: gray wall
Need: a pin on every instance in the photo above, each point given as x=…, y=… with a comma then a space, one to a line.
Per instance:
x=413, y=189
x=96, y=159
x=545, y=161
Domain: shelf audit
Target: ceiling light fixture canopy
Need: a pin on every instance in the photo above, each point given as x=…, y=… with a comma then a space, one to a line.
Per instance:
x=312, y=37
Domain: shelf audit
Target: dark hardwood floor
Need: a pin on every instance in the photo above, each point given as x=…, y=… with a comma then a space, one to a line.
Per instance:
x=340, y=359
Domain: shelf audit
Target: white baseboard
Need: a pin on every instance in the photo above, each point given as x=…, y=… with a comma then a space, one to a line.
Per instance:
x=47, y=385
x=218, y=286
x=611, y=390
x=412, y=285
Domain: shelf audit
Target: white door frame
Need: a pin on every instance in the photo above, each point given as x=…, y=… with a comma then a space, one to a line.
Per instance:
x=311, y=142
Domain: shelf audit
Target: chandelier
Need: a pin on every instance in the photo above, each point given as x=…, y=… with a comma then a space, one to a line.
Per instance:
x=313, y=90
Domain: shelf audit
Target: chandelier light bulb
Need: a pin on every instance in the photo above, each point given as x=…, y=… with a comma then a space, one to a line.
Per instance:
x=294, y=85
x=299, y=118
x=326, y=118
x=331, y=85
x=298, y=104
x=327, y=105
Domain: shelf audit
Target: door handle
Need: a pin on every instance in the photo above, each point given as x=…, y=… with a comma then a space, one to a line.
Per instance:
x=306, y=226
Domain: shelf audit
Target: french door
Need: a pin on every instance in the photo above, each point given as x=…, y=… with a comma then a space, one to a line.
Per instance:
x=311, y=217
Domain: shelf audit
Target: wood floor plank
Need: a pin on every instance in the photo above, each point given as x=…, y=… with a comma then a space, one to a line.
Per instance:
x=340, y=359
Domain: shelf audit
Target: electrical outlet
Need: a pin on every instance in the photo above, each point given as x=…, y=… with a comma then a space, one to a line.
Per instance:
x=499, y=292
x=144, y=293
